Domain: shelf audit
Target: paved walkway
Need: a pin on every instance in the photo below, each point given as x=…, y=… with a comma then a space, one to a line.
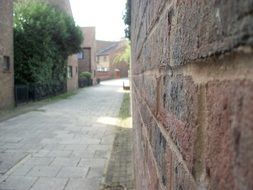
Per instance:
x=63, y=145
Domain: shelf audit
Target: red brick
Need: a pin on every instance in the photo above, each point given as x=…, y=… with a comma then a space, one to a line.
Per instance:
x=151, y=58
x=204, y=28
x=6, y=49
x=182, y=37
x=181, y=180
x=230, y=134
x=178, y=113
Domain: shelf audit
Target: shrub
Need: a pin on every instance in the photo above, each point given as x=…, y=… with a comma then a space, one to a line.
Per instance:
x=85, y=75
x=44, y=37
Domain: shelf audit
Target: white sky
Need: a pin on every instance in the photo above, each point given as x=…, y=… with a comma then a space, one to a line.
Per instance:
x=105, y=15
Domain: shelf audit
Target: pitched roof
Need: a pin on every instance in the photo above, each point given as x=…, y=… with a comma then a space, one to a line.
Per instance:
x=103, y=44
x=108, y=47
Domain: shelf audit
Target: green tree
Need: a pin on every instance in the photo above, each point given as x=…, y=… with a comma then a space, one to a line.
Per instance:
x=44, y=37
x=125, y=55
x=127, y=19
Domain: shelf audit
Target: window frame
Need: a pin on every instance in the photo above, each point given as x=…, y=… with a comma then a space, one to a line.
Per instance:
x=80, y=55
x=6, y=63
x=70, y=72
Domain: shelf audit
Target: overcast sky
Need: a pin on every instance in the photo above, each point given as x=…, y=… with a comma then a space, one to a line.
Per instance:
x=105, y=15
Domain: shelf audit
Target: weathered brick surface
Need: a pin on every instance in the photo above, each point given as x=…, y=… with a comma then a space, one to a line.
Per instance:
x=6, y=49
x=140, y=169
x=179, y=114
x=229, y=133
x=203, y=28
x=72, y=83
x=157, y=152
x=192, y=94
x=152, y=58
x=89, y=50
x=180, y=179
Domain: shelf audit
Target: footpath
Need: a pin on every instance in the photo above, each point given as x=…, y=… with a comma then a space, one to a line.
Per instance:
x=64, y=145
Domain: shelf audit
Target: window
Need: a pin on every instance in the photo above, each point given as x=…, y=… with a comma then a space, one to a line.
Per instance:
x=6, y=63
x=69, y=72
x=97, y=59
x=99, y=69
x=105, y=58
x=80, y=55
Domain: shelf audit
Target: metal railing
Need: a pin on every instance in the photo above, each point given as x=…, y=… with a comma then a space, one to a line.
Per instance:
x=35, y=92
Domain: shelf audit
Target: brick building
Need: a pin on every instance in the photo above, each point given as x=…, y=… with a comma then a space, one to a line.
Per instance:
x=192, y=82
x=6, y=55
x=86, y=58
x=107, y=64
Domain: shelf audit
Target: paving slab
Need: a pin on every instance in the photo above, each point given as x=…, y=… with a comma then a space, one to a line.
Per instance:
x=18, y=183
x=8, y=160
x=50, y=184
x=73, y=172
x=72, y=162
x=22, y=170
x=96, y=162
x=44, y=171
x=82, y=184
x=67, y=141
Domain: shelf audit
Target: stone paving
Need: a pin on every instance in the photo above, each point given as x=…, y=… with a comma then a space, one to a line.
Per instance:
x=61, y=146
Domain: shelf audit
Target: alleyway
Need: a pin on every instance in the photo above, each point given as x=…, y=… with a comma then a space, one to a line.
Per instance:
x=63, y=145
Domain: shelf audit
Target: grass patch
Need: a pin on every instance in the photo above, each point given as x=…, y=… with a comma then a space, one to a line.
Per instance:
x=65, y=95
x=124, y=112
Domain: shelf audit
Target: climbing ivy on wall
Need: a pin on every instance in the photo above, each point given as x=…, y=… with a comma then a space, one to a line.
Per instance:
x=44, y=37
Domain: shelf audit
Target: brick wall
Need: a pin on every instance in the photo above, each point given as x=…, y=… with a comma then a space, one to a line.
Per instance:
x=105, y=75
x=85, y=63
x=192, y=92
x=72, y=83
x=89, y=48
x=6, y=49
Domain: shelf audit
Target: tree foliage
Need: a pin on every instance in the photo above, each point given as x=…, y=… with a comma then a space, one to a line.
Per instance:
x=44, y=37
x=127, y=19
x=125, y=55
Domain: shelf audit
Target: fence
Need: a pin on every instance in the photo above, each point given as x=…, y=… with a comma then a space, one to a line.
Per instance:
x=84, y=82
x=34, y=92
x=21, y=94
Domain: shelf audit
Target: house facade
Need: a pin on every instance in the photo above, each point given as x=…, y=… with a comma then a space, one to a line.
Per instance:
x=86, y=57
x=6, y=55
x=108, y=66
x=103, y=62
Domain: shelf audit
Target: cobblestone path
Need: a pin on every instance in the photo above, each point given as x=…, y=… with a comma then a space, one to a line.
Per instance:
x=63, y=145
